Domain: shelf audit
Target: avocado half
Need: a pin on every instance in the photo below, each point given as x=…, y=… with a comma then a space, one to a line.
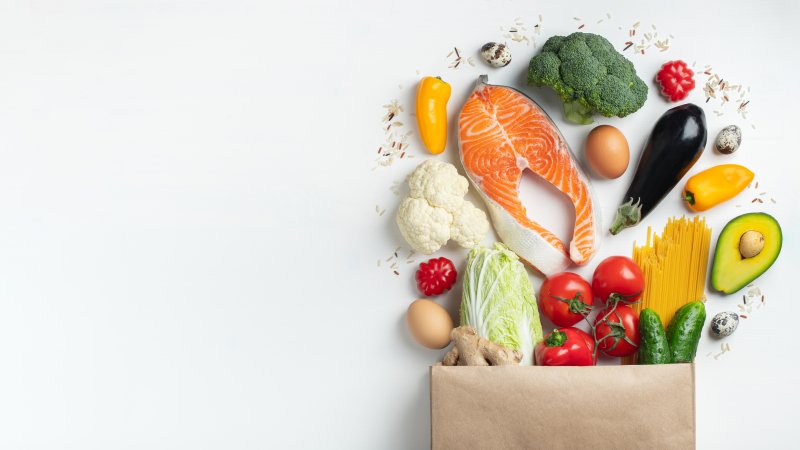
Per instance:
x=731, y=271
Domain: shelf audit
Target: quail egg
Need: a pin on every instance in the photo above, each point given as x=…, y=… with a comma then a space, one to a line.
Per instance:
x=724, y=324
x=497, y=55
x=728, y=140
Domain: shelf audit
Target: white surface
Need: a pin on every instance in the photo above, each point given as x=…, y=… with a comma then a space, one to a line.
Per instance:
x=189, y=242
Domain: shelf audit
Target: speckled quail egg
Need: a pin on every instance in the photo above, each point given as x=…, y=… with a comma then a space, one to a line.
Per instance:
x=497, y=55
x=728, y=140
x=724, y=324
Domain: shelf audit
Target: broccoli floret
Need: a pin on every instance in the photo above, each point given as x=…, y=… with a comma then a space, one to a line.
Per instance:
x=589, y=76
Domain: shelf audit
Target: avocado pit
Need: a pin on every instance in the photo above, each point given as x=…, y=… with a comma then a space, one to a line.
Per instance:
x=751, y=243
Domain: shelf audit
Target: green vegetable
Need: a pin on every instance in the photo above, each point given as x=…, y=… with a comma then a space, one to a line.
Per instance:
x=499, y=302
x=589, y=76
x=653, y=345
x=736, y=262
x=683, y=333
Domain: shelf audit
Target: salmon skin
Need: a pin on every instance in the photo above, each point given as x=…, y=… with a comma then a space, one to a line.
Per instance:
x=502, y=132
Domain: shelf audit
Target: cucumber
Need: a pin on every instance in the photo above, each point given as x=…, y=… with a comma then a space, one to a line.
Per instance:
x=653, y=345
x=683, y=333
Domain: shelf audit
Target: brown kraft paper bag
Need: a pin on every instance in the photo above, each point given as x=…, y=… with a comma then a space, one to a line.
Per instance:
x=530, y=407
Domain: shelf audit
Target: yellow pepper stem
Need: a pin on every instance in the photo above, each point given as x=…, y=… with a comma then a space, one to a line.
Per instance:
x=689, y=197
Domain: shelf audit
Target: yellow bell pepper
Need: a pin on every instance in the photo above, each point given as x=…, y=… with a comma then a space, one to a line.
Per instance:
x=716, y=185
x=432, y=97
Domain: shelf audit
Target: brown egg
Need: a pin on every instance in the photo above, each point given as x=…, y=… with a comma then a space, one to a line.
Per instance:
x=429, y=323
x=607, y=151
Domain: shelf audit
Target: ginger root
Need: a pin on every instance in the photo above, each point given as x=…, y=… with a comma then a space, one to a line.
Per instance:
x=469, y=349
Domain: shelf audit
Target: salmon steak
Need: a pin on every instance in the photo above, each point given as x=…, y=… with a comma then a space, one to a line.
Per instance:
x=501, y=133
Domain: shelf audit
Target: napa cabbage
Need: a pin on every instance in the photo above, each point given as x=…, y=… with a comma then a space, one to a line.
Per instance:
x=499, y=302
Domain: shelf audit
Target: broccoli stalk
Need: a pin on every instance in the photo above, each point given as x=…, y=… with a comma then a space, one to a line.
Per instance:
x=577, y=112
x=589, y=76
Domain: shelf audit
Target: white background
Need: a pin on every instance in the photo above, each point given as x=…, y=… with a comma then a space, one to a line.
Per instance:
x=188, y=241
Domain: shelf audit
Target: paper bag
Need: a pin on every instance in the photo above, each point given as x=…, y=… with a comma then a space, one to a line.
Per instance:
x=524, y=407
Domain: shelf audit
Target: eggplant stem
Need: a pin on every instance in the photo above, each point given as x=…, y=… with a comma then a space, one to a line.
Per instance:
x=628, y=215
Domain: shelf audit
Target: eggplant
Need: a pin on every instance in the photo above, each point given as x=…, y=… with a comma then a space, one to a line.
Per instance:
x=674, y=145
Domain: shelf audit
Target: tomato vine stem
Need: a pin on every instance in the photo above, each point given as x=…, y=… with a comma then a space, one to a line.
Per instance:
x=611, y=307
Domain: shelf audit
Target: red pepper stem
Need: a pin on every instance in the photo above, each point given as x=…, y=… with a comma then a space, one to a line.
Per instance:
x=556, y=339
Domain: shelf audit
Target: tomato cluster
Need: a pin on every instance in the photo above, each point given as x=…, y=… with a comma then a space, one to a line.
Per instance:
x=566, y=299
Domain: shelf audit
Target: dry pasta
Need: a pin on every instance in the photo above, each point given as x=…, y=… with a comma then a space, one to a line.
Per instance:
x=674, y=266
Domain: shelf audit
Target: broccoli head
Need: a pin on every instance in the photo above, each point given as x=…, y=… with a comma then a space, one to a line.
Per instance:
x=589, y=76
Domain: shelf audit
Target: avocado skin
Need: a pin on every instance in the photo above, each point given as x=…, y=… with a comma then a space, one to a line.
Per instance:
x=731, y=272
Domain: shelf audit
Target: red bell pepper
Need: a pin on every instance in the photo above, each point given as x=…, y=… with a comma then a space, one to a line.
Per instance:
x=567, y=346
x=676, y=80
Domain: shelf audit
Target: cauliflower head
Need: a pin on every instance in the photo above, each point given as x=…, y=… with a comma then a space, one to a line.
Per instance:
x=434, y=211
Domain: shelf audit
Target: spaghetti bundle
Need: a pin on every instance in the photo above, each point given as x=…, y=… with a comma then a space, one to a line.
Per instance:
x=674, y=266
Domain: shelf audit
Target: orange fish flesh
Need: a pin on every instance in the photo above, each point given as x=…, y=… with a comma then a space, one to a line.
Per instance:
x=503, y=132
